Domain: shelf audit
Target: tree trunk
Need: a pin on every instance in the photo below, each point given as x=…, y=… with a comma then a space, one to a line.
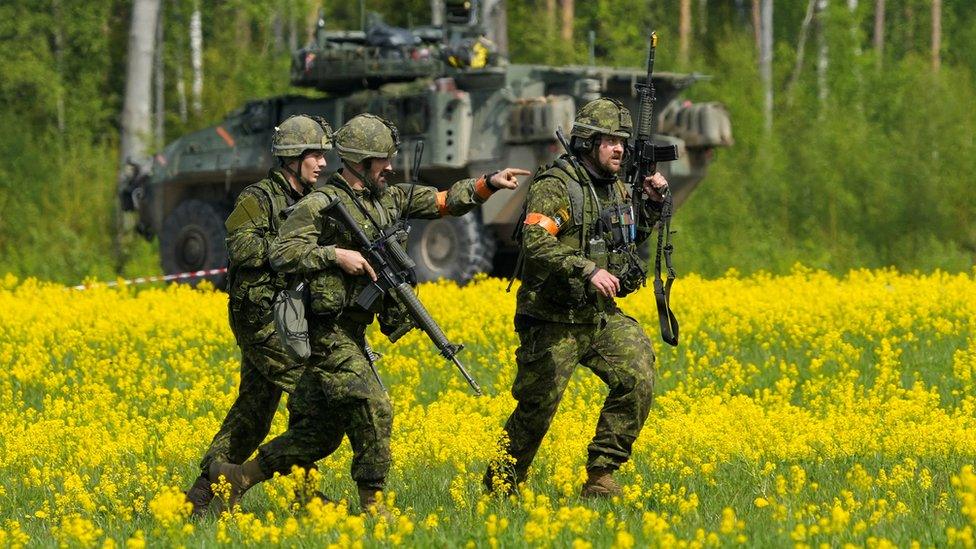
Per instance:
x=568, y=13
x=196, y=58
x=703, y=17
x=684, y=32
x=495, y=19
x=59, y=64
x=801, y=47
x=766, y=60
x=879, y=29
x=757, y=25
x=180, y=80
x=135, y=110
x=159, y=104
x=936, y=35
x=823, y=58
x=436, y=12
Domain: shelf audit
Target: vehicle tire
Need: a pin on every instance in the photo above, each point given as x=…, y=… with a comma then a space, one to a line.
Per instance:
x=192, y=239
x=456, y=248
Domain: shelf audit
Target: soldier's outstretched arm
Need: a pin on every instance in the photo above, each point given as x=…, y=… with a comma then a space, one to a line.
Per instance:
x=547, y=215
x=297, y=248
x=462, y=197
x=247, y=231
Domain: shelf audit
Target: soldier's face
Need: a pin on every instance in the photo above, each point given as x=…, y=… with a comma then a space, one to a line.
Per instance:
x=379, y=169
x=610, y=153
x=312, y=166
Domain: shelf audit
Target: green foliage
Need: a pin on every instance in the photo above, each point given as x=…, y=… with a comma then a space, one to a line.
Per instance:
x=876, y=174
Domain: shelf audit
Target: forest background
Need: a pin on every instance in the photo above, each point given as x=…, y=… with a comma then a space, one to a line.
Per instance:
x=857, y=149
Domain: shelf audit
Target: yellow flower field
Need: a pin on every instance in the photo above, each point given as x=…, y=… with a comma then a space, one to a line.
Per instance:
x=804, y=410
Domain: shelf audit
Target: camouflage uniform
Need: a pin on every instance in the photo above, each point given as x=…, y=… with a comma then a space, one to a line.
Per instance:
x=338, y=394
x=266, y=368
x=562, y=321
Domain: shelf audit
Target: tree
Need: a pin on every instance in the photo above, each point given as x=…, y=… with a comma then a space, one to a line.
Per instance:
x=879, y=29
x=136, y=106
x=567, y=20
x=936, y=35
x=766, y=60
x=196, y=58
x=684, y=32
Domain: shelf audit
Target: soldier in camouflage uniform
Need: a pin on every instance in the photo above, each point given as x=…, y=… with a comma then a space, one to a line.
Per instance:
x=339, y=394
x=299, y=143
x=579, y=249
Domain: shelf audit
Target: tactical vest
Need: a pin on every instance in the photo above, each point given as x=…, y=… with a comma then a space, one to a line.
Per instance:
x=251, y=289
x=332, y=291
x=574, y=300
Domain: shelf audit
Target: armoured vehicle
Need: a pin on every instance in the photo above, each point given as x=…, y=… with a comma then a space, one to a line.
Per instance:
x=445, y=85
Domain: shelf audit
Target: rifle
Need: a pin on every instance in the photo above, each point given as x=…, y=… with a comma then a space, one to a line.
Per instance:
x=643, y=158
x=394, y=268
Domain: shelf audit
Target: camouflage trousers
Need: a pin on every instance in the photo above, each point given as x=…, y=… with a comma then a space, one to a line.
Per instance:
x=266, y=371
x=338, y=395
x=617, y=350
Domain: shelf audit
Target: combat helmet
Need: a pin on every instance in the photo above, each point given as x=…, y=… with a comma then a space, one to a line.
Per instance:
x=366, y=136
x=301, y=133
x=603, y=116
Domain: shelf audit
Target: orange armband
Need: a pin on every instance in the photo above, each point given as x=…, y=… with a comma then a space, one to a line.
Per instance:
x=442, y=203
x=482, y=189
x=549, y=224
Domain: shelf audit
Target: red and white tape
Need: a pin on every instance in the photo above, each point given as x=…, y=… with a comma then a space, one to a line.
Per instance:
x=158, y=278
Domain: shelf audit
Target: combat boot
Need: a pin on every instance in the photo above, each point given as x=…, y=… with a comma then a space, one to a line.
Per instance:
x=200, y=495
x=600, y=484
x=240, y=477
x=370, y=503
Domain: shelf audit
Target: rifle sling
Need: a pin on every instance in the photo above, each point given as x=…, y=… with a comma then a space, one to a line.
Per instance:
x=662, y=289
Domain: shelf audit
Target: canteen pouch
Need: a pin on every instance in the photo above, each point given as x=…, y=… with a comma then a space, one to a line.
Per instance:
x=291, y=324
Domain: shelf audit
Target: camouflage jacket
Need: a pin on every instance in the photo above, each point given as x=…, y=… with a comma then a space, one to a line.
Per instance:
x=251, y=282
x=308, y=239
x=558, y=255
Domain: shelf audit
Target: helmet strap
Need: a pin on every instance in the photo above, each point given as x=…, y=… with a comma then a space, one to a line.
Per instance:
x=366, y=180
x=284, y=160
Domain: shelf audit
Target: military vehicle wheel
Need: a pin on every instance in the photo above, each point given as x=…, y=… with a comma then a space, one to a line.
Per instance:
x=192, y=239
x=455, y=248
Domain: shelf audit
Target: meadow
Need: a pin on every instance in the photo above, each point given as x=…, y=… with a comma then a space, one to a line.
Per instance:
x=800, y=410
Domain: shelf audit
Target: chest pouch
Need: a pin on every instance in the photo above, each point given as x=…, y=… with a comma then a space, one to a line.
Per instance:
x=617, y=225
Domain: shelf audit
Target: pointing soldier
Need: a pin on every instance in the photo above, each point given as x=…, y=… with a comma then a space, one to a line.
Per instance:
x=579, y=242
x=299, y=143
x=338, y=394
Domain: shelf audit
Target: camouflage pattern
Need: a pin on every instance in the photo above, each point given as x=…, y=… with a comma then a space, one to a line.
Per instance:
x=562, y=321
x=266, y=369
x=300, y=133
x=338, y=394
x=603, y=116
x=555, y=279
x=617, y=351
x=307, y=240
x=366, y=136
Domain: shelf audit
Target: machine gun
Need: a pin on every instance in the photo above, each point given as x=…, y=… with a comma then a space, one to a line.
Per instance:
x=643, y=158
x=393, y=268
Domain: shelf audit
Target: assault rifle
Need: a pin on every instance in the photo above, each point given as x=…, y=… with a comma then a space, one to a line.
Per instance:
x=394, y=270
x=643, y=158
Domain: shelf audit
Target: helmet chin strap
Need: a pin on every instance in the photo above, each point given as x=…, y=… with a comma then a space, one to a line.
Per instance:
x=297, y=175
x=367, y=181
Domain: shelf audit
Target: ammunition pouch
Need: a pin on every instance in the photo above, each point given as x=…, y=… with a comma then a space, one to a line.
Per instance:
x=395, y=320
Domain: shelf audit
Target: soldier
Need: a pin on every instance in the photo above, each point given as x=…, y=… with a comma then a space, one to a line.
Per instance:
x=339, y=393
x=299, y=143
x=579, y=244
